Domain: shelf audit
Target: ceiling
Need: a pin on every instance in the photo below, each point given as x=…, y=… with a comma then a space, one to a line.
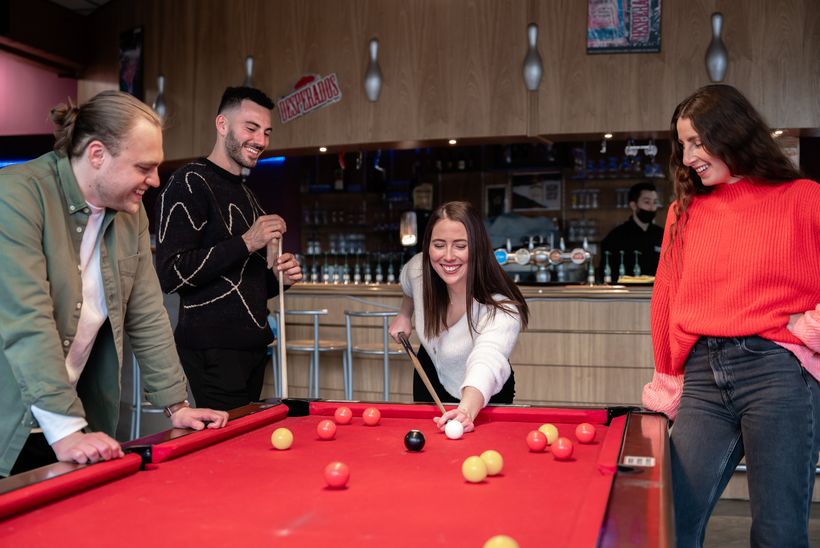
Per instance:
x=82, y=7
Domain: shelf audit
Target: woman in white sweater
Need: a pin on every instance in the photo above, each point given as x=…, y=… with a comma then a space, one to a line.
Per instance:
x=468, y=314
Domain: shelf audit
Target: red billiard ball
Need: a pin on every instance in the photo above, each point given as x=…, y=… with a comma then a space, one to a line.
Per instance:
x=326, y=429
x=343, y=415
x=371, y=416
x=536, y=441
x=585, y=432
x=562, y=448
x=337, y=474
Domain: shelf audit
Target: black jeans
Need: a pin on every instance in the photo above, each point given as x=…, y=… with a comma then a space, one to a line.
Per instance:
x=36, y=453
x=222, y=378
x=420, y=393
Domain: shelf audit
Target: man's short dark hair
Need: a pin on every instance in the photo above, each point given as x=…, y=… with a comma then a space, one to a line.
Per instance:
x=233, y=97
x=637, y=188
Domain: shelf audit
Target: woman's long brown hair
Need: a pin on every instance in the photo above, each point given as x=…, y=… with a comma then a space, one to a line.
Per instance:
x=730, y=129
x=485, y=277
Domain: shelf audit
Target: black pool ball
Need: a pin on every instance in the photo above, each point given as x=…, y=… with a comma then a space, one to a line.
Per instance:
x=414, y=440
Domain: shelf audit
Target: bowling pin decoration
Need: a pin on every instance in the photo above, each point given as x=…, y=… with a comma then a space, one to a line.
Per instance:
x=717, y=57
x=248, y=72
x=159, y=103
x=373, y=75
x=533, y=69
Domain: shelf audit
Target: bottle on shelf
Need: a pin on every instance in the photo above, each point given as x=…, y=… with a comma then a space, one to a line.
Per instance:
x=357, y=271
x=379, y=273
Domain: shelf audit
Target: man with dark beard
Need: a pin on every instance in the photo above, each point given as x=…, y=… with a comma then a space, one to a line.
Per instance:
x=212, y=239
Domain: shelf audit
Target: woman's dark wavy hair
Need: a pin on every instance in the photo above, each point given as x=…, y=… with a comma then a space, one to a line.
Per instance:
x=484, y=275
x=730, y=129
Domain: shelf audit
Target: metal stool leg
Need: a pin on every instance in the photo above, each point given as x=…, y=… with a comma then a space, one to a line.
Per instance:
x=274, y=372
x=386, y=362
x=316, y=356
x=275, y=357
x=137, y=422
x=349, y=353
x=345, y=374
x=279, y=351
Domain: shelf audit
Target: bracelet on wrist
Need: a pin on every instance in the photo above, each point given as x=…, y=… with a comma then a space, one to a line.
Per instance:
x=171, y=409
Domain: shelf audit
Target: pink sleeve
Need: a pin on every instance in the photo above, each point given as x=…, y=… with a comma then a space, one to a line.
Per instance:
x=807, y=329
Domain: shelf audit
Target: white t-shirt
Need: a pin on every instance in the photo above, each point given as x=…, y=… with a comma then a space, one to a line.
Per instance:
x=480, y=360
x=93, y=313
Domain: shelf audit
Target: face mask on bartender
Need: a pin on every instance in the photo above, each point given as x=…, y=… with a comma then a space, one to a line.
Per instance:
x=645, y=206
x=645, y=216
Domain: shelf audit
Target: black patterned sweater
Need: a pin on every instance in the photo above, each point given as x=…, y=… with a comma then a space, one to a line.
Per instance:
x=201, y=215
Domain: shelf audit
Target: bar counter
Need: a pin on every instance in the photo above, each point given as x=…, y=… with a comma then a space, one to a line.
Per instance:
x=585, y=345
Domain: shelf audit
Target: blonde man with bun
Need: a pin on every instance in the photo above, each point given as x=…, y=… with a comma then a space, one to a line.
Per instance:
x=77, y=277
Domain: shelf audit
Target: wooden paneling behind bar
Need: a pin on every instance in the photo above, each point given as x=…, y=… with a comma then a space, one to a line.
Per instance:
x=582, y=347
x=774, y=58
x=453, y=69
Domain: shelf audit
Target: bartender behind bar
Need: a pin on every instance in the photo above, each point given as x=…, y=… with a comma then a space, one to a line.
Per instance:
x=638, y=234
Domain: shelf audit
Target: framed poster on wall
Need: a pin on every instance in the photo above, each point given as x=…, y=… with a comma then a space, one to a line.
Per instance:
x=623, y=26
x=536, y=191
x=131, y=62
x=496, y=200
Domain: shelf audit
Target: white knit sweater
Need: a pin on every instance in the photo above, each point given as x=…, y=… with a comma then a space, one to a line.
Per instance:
x=480, y=361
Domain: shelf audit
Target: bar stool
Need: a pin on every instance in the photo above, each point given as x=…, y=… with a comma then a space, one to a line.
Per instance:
x=386, y=348
x=314, y=347
x=138, y=403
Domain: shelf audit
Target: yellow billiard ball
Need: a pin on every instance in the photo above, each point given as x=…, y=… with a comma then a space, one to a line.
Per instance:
x=493, y=460
x=550, y=431
x=501, y=541
x=474, y=469
x=282, y=438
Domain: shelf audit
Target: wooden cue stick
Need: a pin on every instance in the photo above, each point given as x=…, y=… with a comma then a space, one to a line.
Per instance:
x=413, y=358
x=283, y=362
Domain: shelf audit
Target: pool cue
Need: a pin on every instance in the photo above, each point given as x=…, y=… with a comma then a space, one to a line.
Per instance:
x=413, y=358
x=283, y=361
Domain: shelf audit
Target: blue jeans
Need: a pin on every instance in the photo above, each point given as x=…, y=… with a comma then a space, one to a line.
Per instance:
x=746, y=396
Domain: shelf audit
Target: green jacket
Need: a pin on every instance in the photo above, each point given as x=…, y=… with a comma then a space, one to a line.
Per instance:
x=42, y=218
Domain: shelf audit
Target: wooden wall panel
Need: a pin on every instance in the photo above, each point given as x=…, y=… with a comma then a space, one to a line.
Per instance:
x=773, y=47
x=579, y=351
x=583, y=349
x=590, y=315
x=573, y=386
x=453, y=69
x=450, y=69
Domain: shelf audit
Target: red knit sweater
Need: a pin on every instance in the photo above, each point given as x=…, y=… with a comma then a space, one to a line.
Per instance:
x=748, y=259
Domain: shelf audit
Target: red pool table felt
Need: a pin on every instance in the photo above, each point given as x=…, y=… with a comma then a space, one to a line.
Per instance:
x=230, y=487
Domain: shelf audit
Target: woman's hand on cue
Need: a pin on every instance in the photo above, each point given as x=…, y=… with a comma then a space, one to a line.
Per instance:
x=458, y=414
x=400, y=324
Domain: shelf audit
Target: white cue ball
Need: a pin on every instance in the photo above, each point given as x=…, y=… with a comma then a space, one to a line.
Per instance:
x=454, y=429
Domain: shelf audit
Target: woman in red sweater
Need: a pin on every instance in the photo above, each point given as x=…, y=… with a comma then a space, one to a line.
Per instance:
x=736, y=320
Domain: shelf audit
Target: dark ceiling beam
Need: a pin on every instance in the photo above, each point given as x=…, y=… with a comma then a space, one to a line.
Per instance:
x=46, y=34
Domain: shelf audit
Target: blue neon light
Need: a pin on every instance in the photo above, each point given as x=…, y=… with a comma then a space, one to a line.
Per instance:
x=4, y=163
x=273, y=160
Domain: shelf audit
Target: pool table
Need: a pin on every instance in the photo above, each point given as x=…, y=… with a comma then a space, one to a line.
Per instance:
x=230, y=487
